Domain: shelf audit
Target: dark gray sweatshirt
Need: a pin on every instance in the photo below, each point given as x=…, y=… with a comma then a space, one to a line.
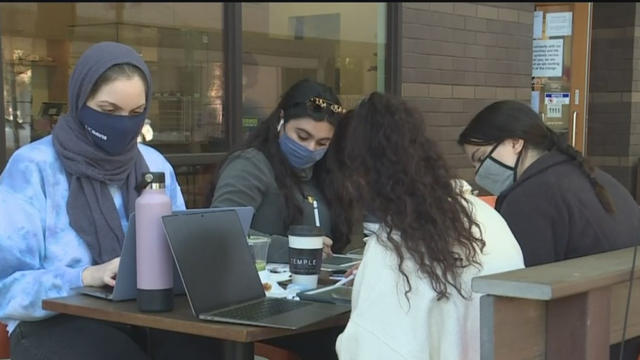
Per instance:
x=247, y=179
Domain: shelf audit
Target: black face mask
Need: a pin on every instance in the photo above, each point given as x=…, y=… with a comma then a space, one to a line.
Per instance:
x=114, y=134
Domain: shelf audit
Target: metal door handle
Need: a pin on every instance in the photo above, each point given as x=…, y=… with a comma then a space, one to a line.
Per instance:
x=573, y=128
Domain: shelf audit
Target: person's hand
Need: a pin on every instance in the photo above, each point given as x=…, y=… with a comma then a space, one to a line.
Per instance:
x=353, y=270
x=99, y=275
x=326, y=247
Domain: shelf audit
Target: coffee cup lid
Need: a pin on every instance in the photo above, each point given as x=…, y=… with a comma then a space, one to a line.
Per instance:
x=305, y=230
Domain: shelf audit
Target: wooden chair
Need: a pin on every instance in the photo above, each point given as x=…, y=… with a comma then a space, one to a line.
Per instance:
x=4, y=342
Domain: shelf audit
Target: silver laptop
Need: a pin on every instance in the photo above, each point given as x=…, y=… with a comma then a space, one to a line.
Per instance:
x=125, y=288
x=220, y=277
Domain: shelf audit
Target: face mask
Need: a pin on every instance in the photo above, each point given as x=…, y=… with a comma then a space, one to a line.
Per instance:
x=494, y=175
x=111, y=133
x=298, y=155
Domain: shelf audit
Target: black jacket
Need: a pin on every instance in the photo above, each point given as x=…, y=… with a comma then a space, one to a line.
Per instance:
x=555, y=215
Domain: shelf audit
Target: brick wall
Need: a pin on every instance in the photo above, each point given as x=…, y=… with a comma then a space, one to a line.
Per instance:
x=613, y=125
x=458, y=58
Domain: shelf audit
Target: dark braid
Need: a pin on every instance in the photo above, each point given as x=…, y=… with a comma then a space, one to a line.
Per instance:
x=587, y=168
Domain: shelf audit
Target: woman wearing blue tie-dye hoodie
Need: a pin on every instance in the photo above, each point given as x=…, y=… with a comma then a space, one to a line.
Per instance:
x=65, y=201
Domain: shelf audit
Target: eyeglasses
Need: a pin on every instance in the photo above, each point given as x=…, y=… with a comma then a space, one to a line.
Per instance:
x=321, y=104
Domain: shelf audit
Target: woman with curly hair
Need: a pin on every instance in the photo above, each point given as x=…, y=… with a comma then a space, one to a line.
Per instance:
x=412, y=296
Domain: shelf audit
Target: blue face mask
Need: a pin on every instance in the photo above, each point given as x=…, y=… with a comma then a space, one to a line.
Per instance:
x=494, y=175
x=111, y=133
x=298, y=155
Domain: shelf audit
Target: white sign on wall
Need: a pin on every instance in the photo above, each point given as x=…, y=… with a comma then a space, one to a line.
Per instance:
x=537, y=24
x=561, y=98
x=554, y=110
x=559, y=24
x=535, y=100
x=547, y=58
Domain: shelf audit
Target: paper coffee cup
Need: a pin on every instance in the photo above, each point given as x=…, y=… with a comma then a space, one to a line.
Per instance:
x=305, y=255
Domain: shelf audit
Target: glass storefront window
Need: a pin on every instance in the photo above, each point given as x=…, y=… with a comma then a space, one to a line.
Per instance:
x=181, y=43
x=339, y=44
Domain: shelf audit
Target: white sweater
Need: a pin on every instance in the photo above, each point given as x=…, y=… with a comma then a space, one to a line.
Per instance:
x=384, y=326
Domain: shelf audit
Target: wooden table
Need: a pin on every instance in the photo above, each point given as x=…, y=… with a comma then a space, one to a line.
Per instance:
x=237, y=339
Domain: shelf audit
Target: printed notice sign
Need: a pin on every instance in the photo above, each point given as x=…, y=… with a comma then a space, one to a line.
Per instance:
x=554, y=110
x=556, y=98
x=535, y=101
x=559, y=24
x=547, y=58
x=537, y=24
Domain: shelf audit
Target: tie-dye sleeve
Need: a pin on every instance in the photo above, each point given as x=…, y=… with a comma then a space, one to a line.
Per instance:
x=28, y=273
x=174, y=191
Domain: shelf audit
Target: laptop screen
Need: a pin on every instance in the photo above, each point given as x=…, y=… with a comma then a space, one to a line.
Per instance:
x=213, y=258
x=245, y=214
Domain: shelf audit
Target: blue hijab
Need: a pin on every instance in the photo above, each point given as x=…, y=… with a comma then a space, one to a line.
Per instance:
x=90, y=206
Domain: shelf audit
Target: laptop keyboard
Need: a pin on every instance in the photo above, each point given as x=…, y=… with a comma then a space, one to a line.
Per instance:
x=261, y=310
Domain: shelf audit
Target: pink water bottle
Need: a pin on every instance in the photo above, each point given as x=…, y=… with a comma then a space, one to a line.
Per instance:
x=154, y=263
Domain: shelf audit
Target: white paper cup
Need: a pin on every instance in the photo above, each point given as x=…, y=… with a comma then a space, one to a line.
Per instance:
x=305, y=255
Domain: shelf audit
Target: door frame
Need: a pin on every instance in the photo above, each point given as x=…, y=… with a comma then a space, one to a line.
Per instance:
x=580, y=49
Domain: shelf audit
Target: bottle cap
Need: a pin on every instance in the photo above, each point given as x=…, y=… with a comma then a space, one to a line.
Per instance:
x=151, y=178
x=154, y=177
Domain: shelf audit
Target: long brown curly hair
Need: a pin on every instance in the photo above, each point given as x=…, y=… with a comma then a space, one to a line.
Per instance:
x=391, y=170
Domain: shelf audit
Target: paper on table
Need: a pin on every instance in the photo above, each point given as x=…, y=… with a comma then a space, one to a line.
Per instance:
x=338, y=284
x=270, y=285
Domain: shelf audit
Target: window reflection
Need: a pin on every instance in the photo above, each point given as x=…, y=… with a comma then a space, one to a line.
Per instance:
x=339, y=44
x=180, y=42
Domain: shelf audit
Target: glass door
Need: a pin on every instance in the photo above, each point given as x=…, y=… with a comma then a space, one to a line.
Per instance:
x=561, y=35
